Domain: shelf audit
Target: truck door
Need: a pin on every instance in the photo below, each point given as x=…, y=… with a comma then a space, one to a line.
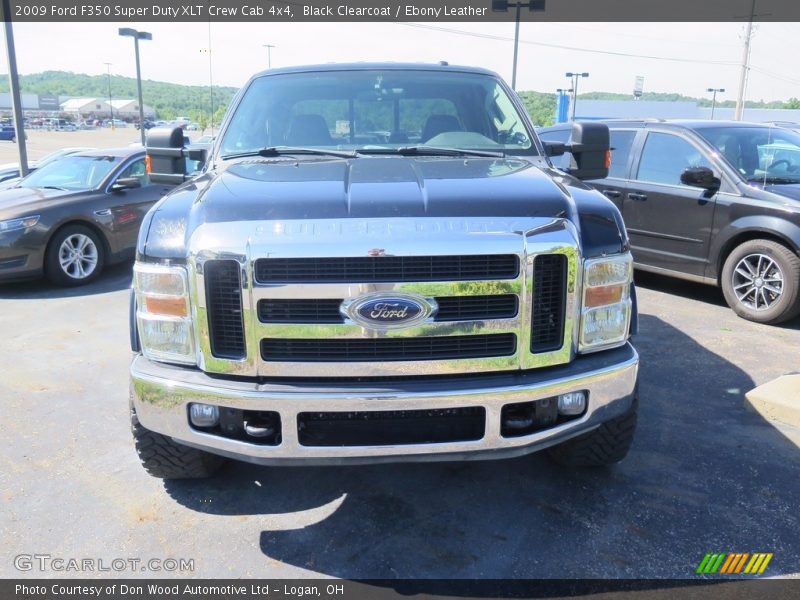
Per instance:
x=669, y=223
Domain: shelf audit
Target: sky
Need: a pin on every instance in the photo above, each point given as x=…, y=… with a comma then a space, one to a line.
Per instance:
x=702, y=55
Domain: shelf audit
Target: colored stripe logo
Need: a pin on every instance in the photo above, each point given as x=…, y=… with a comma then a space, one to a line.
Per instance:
x=734, y=563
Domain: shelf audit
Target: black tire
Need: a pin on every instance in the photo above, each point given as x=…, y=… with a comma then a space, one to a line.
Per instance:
x=606, y=445
x=785, y=305
x=165, y=459
x=70, y=276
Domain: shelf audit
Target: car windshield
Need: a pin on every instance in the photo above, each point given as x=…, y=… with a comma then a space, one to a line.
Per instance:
x=72, y=173
x=759, y=153
x=377, y=111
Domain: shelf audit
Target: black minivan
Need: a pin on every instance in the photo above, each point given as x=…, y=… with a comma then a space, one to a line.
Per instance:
x=711, y=201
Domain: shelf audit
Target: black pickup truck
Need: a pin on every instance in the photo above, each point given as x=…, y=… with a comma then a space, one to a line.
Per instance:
x=711, y=201
x=379, y=263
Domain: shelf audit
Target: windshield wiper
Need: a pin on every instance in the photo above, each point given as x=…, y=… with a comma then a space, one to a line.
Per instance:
x=432, y=151
x=773, y=180
x=283, y=150
x=53, y=187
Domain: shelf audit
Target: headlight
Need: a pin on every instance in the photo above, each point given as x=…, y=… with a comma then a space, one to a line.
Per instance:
x=606, y=308
x=163, y=315
x=22, y=223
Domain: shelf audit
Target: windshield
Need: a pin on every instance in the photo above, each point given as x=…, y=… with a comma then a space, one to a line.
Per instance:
x=376, y=110
x=72, y=173
x=768, y=154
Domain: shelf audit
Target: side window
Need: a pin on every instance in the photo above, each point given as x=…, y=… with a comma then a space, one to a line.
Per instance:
x=621, y=143
x=136, y=169
x=666, y=156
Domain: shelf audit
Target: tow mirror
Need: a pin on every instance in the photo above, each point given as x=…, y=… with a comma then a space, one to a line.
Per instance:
x=166, y=155
x=701, y=177
x=590, y=146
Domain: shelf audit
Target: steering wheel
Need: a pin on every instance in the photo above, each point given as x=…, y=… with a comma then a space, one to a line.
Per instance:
x=779, y=162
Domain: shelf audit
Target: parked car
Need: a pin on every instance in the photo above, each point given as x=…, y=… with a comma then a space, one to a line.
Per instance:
x=8, y=133
x=710, y=201
x=147, y=124
x=75, y=215
x=115, y=122
x=9, y=172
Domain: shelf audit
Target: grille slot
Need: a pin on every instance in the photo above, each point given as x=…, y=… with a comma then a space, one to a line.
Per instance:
x=385, y=428
x=224, y=305
x=549, y=302
x=366, y=269
x=388, y=349
x=451, y=308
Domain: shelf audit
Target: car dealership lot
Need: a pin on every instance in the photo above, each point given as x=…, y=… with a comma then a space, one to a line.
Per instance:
x=704, y=474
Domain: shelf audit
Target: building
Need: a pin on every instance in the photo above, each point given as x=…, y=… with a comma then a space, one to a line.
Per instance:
x=129, y=109
x=650, y=109
x=85, y=107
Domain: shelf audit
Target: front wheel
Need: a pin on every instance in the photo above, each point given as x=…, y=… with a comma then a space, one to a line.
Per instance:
x=75, y=256
x=165, y=459
x=604, y=446
x=761, y=281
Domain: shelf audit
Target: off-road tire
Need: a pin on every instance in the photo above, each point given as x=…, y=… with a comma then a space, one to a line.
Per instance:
x=788, y=305
x=606, y=445
x=165, y=459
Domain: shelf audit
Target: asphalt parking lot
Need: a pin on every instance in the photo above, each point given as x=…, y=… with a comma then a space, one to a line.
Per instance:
x=704, y=474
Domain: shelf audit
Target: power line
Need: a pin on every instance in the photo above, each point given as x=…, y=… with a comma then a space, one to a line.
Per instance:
x=565, y=47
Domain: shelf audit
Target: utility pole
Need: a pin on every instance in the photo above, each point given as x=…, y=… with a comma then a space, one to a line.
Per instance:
x=745, y=64
x=13, y=80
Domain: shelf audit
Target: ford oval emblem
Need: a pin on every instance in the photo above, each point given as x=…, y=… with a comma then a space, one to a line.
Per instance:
x=388, y=311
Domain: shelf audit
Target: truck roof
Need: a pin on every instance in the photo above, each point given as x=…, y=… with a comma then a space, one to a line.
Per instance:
x=372, y=66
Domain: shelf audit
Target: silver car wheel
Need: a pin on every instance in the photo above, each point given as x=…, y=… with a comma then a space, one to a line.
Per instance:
x=78, y=256
x=757, y=281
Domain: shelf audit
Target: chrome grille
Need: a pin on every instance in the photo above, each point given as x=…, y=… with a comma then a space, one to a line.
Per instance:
x=451, y=308
x=224, y=304
x=389, y=349
x=549, y=295
x=369, y=269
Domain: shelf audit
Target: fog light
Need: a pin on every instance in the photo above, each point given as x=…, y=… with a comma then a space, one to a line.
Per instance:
x=573, y=403
x=203, y=415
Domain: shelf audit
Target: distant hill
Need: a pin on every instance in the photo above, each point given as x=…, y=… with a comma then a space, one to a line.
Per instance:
x=171, y=100
x=168, y=99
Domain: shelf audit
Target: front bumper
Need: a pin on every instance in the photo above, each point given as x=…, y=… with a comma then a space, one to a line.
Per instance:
x=161, y=394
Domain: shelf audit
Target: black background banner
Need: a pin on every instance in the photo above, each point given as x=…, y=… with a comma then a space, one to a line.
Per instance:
x=401, y=10
x=398, y=589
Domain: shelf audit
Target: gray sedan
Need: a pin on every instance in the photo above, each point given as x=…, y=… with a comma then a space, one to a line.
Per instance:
x=73, y=216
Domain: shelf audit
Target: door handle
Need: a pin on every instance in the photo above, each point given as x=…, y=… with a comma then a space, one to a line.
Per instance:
x=611, y=193
x=637, y=196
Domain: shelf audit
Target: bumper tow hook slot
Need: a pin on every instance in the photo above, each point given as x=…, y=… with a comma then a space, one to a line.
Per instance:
x=258, y=430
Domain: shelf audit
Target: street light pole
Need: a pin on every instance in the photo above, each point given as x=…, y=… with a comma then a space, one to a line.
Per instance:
x=714, y=99
x=269, y=48
x=138, y=35
x=503, y=6
x=110, y=106
x=575, y=77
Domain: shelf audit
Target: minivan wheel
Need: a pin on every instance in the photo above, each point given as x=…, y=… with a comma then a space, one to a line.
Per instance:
x=761, y=281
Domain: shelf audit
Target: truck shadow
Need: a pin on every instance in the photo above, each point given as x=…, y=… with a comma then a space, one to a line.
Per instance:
x=704, y=475
x=113, y=278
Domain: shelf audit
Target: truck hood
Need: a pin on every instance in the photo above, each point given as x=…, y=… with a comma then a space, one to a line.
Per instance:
x=375, y=187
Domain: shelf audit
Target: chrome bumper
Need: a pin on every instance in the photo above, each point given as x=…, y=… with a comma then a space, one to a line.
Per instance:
x=161, y=393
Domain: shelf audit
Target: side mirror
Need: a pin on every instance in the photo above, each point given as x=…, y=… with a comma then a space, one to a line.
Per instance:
x=590, y=146
x=701, y=177
x=166, y=155
x=554, y=148
x=126, y=183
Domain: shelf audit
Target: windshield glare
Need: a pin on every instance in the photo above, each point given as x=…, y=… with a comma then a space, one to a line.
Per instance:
x=758, y=153
x=376, y=110
x=72, y=173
